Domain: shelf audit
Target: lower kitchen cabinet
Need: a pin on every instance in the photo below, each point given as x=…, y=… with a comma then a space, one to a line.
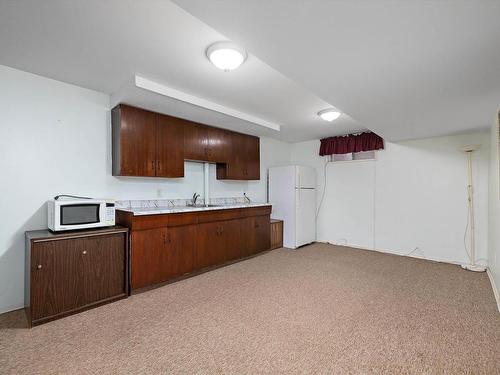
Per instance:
x=256, y=234
x=210, y=245
x=178, y=255
x=167, y=246
x=146, y=257
x=161, y=254
x=218, y=242
x=70, y=272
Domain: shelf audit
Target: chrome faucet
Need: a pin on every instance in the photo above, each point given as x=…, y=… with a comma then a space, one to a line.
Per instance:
x=246, y=198
x=195, y=198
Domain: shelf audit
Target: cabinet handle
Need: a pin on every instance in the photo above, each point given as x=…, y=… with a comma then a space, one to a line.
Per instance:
x=39, y=267
x=84, y=252
x=158, y=166
x=153, y=165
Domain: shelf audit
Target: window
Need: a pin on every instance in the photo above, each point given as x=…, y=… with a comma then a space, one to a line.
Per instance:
x=365, y=155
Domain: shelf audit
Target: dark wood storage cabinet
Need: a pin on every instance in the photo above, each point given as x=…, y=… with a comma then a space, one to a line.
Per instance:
x=150, y=144
x=276, y=234
x=244, y=160
x=70, y=272
x=146, y=143
x=167, y=246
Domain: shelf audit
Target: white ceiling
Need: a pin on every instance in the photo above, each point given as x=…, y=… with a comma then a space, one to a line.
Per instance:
x=405, y=69
x=101, y=45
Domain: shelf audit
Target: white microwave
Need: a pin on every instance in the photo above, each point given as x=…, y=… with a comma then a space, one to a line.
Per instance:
x=71, y=214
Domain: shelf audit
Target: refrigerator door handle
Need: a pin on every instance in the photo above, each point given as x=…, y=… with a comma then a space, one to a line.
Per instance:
x=300, y=188
x=298, y=200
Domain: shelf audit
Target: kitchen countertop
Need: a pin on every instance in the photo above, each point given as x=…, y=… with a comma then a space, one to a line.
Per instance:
x=138, y=211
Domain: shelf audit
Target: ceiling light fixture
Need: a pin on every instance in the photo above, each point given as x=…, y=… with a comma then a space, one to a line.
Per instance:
x=226, y=56
x=329, y=114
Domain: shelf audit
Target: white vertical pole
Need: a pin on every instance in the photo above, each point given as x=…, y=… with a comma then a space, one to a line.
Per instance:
x=471, y=211
x=472, y=266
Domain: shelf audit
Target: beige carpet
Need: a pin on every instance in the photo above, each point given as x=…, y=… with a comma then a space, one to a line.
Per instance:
x=321, y=309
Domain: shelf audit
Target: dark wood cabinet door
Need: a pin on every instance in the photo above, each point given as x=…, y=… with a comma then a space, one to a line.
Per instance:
x=262, y=227
x=218, y=145
x=170, y=151
x=178, y=253
x=134, y=141
x=195, y=141
x=248, y=237
x=231, y=233
x=252, y=158
x=56, y=277
x=243, y=158
x=103, y=259
x=256, y=234
x=210, y=245
x=237, y=158
x=145, y=257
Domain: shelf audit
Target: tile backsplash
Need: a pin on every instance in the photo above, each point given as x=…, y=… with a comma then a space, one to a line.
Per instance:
x=152, y=203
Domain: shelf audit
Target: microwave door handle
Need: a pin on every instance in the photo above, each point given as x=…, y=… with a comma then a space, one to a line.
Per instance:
x=102, y=213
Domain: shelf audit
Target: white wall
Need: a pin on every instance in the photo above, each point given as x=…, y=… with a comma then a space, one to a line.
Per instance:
x=494, y=209
x=56, y=139
x=413, y=195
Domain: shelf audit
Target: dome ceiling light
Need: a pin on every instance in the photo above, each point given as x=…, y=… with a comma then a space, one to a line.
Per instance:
x=329, y=114
x=226, y=56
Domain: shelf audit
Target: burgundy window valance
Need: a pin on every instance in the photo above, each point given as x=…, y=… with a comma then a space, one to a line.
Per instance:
x=350, y=143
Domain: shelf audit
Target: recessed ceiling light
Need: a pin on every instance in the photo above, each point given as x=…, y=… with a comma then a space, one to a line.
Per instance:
x=226, y=56
x=329, y=114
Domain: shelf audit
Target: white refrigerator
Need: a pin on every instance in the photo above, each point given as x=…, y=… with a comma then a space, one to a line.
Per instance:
x=292, y=193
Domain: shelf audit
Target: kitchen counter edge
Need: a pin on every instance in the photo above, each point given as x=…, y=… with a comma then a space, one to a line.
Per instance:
x=141, y=211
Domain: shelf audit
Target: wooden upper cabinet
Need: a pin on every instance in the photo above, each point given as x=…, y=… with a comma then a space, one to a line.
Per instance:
x=134, y=141
x=243, y=161
x=252, y=158
x=170, y=152
x=154, y=145
x=146, y=143
x=195, y=141
x=218, y=142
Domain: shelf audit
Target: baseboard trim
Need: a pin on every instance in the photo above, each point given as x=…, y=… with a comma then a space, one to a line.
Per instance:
x=11, y=308
x=494, y=287
x=396, y=253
